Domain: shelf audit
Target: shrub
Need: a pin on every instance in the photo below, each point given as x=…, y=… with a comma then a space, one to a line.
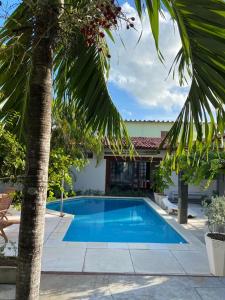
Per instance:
x=215, y=211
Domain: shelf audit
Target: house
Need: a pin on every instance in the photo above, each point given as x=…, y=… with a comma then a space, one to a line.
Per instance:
x=118, y=173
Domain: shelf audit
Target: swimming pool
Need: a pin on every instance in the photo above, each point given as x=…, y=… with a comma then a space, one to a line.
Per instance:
x=126, y=220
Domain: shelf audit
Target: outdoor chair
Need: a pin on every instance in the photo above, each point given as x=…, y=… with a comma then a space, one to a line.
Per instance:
x=5, y=202
x=173, y=208
x=5, y=220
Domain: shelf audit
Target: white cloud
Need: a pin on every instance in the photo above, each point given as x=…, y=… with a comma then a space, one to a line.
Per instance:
x=137, y=68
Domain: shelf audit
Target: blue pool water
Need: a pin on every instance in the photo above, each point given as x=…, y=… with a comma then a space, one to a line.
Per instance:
x=116, y=220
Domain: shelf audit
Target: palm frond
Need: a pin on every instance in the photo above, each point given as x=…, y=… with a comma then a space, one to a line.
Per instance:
x=154, y=8
x=203, y=115
x=80, y=74
x=15, y=66
x=201, y=24
x=80, y=80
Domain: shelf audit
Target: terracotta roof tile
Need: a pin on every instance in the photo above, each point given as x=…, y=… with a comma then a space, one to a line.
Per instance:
x=149, y=121
x=146, y=142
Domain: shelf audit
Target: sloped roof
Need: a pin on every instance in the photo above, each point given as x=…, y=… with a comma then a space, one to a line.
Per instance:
x=149, y=121
x=146, y=142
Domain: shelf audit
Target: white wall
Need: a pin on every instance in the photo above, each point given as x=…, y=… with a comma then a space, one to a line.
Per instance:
x=92, y=177
x=191, y=188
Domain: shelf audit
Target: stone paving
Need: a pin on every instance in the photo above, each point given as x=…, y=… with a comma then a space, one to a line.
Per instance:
x=121, y=287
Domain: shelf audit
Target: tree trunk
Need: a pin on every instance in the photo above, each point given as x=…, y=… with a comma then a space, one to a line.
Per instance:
x=221, y=184
x=38, y=148
x=182, y=200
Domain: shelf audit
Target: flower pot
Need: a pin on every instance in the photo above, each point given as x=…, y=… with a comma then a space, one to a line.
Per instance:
x=8, y=270
x=159, y=200
x=216, y=255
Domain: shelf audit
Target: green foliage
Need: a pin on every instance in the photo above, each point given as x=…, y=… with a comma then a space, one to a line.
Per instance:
x=12, y=156
x=215, y=211
x=69, y=132
x=161, y=179
x=71, y=142
x=197, y=165
x=62, y=158
x=17, y=199
x=80, y=72
x=60, y=165
x=201, y=24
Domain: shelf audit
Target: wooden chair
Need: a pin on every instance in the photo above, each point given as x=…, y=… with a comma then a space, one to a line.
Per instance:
x=5, y=220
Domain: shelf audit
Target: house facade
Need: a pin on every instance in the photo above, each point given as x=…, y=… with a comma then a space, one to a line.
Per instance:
x=113, y=174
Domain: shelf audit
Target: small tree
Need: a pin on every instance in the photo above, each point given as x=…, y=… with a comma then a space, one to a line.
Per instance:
x=60, y=165
x=198, y=165
x=12, y=156
x=215, y=211
x=162, y=179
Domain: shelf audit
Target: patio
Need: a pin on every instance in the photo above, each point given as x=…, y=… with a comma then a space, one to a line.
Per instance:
x=121, y=287
x=123, y=258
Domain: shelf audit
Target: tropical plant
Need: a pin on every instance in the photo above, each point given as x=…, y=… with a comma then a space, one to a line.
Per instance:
x=198, y=165
x=39, y=38
x=67, y=37
x=71, y=142
x=12, y=156
x=70, y=132
x=70, y=145
x=215, y=211
x=161, y=179
x=201, y=26
x=60, y=165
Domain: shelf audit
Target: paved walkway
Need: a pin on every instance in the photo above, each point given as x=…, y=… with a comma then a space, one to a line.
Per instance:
x=114, y=287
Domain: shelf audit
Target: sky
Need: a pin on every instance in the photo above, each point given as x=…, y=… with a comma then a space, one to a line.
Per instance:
x=138, y=82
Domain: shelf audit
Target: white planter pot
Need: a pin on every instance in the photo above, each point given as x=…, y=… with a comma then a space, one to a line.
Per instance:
x=159, y=200
x=216, y=255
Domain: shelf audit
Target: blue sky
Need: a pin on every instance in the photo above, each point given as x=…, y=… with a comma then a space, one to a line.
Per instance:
x=139, y=84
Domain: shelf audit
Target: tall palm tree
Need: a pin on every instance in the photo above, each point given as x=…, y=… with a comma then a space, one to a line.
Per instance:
x=45, y=43
x=33, y=48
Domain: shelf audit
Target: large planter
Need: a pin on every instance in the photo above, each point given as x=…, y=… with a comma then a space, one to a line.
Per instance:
x=158, y=199
x=216, y=255
x=8, y=265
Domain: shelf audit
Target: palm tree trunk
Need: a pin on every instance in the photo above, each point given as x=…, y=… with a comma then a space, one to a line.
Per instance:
x=221, y=184
x=38, y=148
x=182, y=200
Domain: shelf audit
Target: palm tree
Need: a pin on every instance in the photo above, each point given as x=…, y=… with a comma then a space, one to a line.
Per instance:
x=32, y=50
x=42, y=38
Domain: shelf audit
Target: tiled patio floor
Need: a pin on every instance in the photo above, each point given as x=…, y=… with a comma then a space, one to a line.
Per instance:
x=163, y=259
x=133, y=287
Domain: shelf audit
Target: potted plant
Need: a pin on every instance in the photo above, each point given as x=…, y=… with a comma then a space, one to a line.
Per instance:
x=8, y=263
x=161, y=181
x=215, y=238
